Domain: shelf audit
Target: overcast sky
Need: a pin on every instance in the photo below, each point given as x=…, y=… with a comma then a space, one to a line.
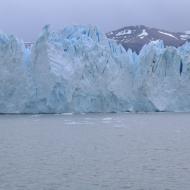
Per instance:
x=25, y=18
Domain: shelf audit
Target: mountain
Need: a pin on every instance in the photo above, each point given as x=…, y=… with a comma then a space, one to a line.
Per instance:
x=135, y=37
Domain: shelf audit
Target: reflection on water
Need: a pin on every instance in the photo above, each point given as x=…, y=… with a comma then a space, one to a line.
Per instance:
x=95, y=152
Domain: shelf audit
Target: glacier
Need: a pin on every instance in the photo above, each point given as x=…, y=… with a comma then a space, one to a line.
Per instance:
x=78, y=70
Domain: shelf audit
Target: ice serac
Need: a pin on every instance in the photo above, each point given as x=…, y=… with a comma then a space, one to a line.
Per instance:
x=14, y=77
x=163, y=74
x=79, y=70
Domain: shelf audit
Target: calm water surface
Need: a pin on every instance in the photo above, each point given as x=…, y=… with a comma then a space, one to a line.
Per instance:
x=95, y=152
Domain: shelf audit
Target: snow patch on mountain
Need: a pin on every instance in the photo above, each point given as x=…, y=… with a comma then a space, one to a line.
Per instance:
x=124, y=32
x=143, y=34
x=168, y=34
x=185, y=37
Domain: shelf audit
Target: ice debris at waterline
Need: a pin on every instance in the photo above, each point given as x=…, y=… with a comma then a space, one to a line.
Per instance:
x=78, y=69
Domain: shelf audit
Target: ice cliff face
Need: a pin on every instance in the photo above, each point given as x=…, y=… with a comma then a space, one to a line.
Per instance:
x=15, y=84
x=82, y=72
x=163, y=74
x=79, y=70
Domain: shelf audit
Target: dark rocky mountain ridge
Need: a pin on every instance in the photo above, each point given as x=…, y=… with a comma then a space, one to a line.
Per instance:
x=135, y=37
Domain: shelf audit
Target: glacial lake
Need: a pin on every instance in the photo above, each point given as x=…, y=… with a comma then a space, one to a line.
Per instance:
x=95, y=152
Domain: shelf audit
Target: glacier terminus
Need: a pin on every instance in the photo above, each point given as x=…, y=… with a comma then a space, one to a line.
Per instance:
x=78, y=69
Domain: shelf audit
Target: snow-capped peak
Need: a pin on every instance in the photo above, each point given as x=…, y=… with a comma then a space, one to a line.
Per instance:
x=135, y=37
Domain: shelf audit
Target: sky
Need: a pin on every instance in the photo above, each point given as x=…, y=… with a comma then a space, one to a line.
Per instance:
x=25, y=18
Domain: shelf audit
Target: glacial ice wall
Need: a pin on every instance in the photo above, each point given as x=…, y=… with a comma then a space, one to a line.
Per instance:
x=78, y=69
x=82, y=72
x=163, y=74
x=15, y=84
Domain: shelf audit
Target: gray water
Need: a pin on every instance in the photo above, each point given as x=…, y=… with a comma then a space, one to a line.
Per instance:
x=95, y=152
